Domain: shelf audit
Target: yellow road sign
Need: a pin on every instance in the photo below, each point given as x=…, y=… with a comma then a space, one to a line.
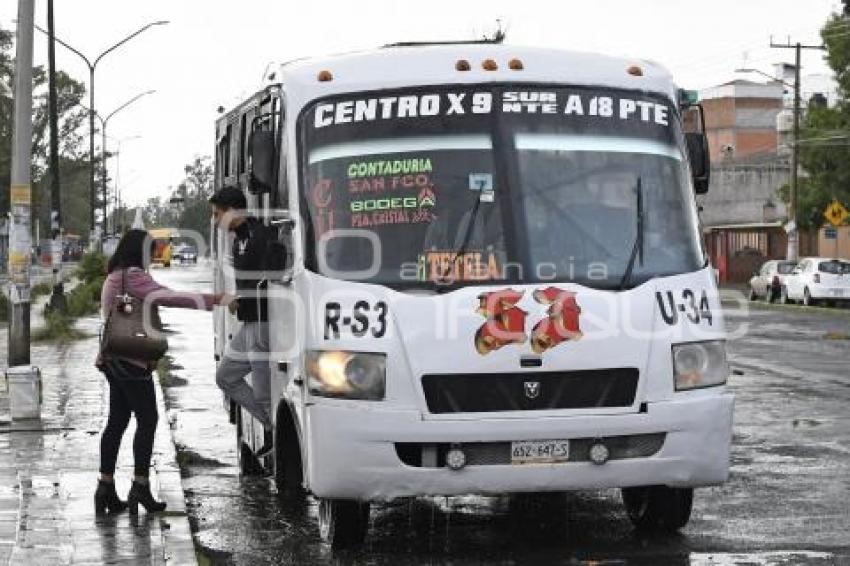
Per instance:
x=836, y=213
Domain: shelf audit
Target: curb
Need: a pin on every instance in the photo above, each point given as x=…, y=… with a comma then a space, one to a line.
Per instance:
x=178, y=544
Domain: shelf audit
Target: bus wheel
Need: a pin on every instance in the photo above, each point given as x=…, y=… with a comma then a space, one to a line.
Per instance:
x=658, y=508
x=343, y=522
x=288, y=474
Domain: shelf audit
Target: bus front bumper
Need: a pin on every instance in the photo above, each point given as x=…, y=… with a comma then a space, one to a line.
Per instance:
x=352, y=450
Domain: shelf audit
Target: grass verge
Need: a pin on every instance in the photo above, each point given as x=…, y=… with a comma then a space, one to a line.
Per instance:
x=58, y=327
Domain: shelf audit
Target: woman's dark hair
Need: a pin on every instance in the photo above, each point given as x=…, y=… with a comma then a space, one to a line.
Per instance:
x=130, y=251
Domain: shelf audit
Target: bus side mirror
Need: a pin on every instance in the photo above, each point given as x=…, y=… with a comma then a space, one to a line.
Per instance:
x=280, y=250
x=700, y=161
x=261, y=166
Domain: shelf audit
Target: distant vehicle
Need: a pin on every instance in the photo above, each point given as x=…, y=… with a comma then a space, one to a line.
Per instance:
x=185, y=253
x=816, y=279
x=767, y=282
x=162, y=245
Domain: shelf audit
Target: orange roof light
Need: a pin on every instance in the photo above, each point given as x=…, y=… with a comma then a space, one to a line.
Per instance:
x=463, y=65
x=635, y=71
x=325, y=76
x=515, y=65
x=489, y=65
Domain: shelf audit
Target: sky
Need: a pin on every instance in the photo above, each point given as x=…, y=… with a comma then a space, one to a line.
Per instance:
x=213, y=52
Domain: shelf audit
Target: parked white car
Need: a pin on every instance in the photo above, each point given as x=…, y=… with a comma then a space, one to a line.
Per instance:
x=767, y=282
x=816, y=279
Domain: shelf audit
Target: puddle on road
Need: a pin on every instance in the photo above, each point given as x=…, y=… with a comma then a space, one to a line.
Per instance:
x=783, y=558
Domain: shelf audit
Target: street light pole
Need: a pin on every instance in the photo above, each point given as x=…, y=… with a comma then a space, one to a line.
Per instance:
x=92, y=66
x=118, y=214
x=57, y=298
x=104, y=122
x=20, y=240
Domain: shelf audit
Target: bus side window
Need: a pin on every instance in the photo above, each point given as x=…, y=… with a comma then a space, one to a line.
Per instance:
x=226, y=143
x=242, y=136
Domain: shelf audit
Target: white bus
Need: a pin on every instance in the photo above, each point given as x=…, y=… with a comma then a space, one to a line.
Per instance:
x=495, y=280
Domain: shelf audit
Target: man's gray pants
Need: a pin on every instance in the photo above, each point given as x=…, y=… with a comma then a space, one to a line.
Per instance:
x=248, y=352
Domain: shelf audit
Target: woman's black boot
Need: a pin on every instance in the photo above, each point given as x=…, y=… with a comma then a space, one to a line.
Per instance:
x=106, y=499
x=140, y=494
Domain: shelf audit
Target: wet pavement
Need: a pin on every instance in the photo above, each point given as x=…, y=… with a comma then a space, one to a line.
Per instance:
x=49, y=470
x=787, y=501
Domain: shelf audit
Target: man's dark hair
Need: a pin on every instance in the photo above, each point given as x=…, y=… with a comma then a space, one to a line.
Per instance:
x=229, y=197
x=130, y=251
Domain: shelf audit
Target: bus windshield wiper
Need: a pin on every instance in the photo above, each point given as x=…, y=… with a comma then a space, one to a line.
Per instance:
x=637, y=248
x=473, y=215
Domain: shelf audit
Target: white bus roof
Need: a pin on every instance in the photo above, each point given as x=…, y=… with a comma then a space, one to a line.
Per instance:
x=398, y=67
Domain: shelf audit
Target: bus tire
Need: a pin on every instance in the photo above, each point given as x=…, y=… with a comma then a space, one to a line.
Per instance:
x=658, y=508
x=288, y=468
x=343, y=522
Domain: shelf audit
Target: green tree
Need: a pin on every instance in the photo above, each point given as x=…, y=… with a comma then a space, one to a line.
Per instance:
x=193, y=194
x=73, y=152
x=825, y=135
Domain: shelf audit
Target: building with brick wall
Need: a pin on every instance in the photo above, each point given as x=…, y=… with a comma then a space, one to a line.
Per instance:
x=740, y=119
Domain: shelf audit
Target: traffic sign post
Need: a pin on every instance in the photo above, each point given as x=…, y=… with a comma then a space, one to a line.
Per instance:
x=836, y=213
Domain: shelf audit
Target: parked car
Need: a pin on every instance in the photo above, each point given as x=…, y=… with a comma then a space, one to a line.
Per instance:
x=816, y=279
x=767, y=282
x=186, y=254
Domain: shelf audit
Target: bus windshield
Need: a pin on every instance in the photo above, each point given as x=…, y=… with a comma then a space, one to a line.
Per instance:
x=441, y=188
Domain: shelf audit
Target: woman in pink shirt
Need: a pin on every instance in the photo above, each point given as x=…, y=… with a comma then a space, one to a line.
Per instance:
x=131, y=388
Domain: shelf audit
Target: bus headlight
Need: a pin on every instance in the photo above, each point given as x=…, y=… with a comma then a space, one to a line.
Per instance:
x=347, y=375
x=699, y=364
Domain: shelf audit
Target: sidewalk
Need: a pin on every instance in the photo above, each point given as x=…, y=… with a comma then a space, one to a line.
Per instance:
x=49, y=469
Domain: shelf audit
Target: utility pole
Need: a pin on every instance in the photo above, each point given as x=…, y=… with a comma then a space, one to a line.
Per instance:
x=20, y=240
x=57, y=299
x=793, y=233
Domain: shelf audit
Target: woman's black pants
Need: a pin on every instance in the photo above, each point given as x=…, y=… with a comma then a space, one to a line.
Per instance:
x=131, y=390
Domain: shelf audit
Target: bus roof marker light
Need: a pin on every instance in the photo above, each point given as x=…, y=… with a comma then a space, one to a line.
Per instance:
x=325, y=76
x=635, y=71
x=489, y=65
x=515, y=65
x=463, y=65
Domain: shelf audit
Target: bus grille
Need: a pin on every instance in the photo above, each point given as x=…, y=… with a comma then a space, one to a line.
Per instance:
x=478, y=393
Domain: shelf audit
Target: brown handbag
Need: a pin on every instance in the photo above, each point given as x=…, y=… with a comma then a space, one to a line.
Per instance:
x=133, y=329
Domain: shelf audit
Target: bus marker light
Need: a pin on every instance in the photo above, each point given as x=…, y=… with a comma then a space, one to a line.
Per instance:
x=635, y=71
x=325, y=76
x=463, y=65
x=490, y=65
x=515, y=65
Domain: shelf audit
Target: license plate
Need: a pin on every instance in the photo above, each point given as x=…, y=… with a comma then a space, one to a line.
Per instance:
x=838, y=292
x=539, y=451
